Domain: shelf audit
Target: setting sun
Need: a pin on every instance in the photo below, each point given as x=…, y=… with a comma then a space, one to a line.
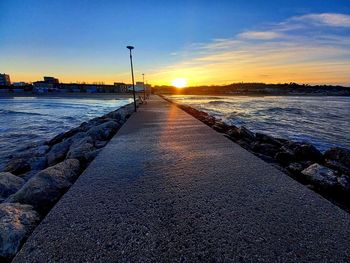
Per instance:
x=179, y=83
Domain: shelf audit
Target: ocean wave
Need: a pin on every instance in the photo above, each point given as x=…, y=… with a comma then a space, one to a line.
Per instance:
x=20, y=112
x=280, y=110
x=217, y=102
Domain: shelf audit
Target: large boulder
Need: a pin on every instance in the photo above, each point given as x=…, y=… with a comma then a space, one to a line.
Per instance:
x=37, y=163
x=80, y=140
x=308, y=152
x=246, y=134
x=103, y=131
x=62, y=136
x=338, y=158
x=58, y=152
x=265, y=148
x=220, y=126
x=100, y=144
x=339, y=154
x=267, y=139
x=17, y=166
x=303, y=151
x=285, y=157
x=9, y=184
x=80, y=152
x=91, y=155
x=27, y=152
x=320, y=176
x=344, y=183
x=46, y=187
x=295, y=168
x=17, y=221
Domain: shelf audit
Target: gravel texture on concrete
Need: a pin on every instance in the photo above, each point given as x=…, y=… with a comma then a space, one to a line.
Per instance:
x=169, y=188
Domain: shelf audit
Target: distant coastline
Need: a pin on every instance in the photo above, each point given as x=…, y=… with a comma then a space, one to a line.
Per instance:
x=258, y=89
x=66, y=95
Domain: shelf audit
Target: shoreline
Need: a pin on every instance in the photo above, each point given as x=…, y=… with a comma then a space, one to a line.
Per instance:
x=327, y=173
x=65, y=95
x=36, y=176
x=251, y=95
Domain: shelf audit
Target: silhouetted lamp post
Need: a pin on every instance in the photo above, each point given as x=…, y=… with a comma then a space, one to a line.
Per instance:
x=132, y=75
x=144, y=87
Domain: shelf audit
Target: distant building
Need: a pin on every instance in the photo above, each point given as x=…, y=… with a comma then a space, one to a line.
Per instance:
x=19, y=84
x=120, y=87
x=49, y=84
x=51, y=80
x=5, y=80
x=138, y=86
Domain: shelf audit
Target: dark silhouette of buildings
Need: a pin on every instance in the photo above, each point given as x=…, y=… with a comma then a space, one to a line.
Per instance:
x=5, y=80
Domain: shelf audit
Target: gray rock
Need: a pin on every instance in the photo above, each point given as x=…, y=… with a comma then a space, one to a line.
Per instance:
x=303, y=151
x=16, y=223
x=233, y=132
x=267, y=139
x=17, y=166
x=103, y=131
x=265, y=148
x=341, y=155
x=80, y=140
x=100, y=144
x=58, y=152
x=91, y=155
x=26, y=153
x=9, y=184
x=29, y=174
x=37, y=163
x=116, y=115
x=41, y=150
x=344, y=183
x=62, y=136
x=220, y=126
x=308, y=152
x=320, y=175
x=295, y=168
x=284, y=157
x=337, y=166
x=80, y=151
x=245, y=133
x=46, y=187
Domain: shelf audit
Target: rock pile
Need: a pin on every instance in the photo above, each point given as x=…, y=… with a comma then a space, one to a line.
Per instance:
x=38, y=175
x=328, y=173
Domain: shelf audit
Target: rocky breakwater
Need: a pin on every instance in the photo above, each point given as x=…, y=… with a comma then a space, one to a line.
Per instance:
x=326, y=173
x=37, y=176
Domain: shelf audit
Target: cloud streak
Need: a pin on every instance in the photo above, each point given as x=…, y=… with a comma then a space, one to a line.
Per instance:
x=282, y=52
x=325, y=19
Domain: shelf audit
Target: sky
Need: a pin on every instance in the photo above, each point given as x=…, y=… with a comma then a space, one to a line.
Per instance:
x=204, y=42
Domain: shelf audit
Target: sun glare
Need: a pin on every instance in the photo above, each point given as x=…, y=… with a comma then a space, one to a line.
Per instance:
x=179, y=83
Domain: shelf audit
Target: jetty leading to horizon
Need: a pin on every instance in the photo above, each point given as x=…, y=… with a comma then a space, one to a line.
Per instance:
x=169, y=188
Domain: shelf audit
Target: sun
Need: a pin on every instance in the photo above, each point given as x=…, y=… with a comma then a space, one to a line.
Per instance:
x=179, y=83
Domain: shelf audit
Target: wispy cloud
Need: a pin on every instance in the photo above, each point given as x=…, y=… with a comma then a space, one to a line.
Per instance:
x=324, y=19
x=260, y=35
x=282, y=52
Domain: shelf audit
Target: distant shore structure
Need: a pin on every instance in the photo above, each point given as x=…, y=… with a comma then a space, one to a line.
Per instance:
x=53, y=85
x=5, y=79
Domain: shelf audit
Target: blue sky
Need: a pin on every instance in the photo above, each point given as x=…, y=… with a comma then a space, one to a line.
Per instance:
x=202, y=41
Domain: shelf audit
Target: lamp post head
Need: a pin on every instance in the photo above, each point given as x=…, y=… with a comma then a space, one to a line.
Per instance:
x=130, y=47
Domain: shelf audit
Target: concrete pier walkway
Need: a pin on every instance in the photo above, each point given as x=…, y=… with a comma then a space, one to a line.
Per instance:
x=168, y=188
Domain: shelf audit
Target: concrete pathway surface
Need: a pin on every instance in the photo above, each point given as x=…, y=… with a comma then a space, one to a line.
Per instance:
x=168, y=188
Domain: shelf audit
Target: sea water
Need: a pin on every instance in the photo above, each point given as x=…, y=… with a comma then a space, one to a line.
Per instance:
x=322, y=121
x=27, y=120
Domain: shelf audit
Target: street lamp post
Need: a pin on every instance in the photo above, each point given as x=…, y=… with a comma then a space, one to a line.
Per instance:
x=144, y=87
x=132, y=75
